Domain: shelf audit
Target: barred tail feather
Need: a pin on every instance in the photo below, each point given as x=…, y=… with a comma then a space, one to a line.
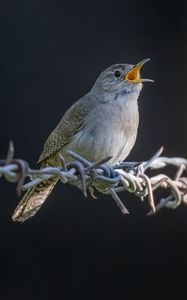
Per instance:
x=33, y=200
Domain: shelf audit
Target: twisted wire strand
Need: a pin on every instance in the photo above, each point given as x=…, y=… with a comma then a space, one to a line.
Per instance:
x=127, y=176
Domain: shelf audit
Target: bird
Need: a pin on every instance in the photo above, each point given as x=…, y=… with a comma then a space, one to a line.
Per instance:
x=103, y=123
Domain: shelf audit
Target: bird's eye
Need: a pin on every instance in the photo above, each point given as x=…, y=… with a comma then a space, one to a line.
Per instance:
x=117, y=73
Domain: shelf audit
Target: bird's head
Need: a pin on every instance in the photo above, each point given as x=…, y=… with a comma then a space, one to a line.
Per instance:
x=124, y=78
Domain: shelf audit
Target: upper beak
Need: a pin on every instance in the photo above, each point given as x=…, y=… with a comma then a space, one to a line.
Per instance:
x=134, y=74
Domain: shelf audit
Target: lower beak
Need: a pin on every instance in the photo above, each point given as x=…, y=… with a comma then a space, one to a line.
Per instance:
x=134, y=74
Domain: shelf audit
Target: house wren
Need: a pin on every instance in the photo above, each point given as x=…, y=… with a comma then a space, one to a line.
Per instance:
x=101, y=124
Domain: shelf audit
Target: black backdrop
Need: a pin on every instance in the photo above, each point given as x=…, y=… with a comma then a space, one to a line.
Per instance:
x=51, y=52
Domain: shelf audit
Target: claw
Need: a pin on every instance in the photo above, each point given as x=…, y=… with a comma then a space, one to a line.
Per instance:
x=91, y=190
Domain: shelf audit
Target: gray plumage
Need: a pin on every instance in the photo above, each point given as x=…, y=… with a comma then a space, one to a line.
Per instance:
x=102, y=123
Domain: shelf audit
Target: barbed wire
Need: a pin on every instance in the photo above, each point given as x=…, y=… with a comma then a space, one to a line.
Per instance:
x=88, y=176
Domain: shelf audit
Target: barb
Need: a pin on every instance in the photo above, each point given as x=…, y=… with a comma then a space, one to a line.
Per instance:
x=86, y=175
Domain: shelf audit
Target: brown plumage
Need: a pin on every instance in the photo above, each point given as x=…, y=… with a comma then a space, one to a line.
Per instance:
x=36, y=196
x=33, y=200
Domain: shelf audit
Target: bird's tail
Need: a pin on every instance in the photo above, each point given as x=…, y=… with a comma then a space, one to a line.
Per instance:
x=33, y=200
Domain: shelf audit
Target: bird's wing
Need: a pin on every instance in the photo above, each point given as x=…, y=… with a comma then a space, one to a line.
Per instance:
x=71, y=123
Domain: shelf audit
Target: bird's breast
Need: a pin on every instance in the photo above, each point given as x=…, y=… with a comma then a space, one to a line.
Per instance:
x=110, y=130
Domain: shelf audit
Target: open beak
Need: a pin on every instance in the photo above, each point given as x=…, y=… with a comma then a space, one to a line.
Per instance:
x=134, y=74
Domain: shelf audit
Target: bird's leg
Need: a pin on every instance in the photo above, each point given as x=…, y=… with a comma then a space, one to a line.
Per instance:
x=81, y=172
x=62, y=160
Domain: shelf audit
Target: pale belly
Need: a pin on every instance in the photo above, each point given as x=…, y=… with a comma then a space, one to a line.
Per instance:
x=99, y=142
x=96, y=148
x=114, y=135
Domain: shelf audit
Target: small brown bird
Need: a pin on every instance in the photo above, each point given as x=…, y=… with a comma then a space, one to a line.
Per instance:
x=101, y=124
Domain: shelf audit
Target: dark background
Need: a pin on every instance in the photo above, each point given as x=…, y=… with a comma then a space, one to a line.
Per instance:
x=51, y=52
